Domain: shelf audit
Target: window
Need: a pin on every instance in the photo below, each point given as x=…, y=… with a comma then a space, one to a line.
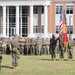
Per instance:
x=12, y=19
x=70, y=30
x=12, y=10
x=42, y=29
x=24, y=19
x=35, y=29
x=24, y=28
x=57, y=29
x=12, y=16
x=69, y=9
x=24, y=10
x=35, y=10
x=58, y=9
x=42, y=9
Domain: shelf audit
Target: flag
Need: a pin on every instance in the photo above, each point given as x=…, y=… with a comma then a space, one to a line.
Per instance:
x=61, y=23
x=63, y=27
x=65, y=30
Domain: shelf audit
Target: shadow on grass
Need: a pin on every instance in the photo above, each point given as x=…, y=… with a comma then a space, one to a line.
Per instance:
x=56, y=60
x=7, y=67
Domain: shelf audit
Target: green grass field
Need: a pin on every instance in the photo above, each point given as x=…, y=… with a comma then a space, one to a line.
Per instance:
x=38, y=65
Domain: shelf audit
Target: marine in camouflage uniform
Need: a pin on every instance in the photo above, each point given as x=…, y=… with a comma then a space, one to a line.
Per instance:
x=47, y=46
x=43, y=46
x=3, y=46
x=70, y=48
x=27, y=46
x=14, y=46
x=61, y=47
x=22, y=41
x=33, y=46
x=38, y=45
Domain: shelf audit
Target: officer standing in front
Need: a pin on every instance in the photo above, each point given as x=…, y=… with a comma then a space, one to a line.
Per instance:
x=53, y=43
x=14, y=46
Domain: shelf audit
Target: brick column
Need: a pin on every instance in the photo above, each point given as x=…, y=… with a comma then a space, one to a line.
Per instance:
x=39, y=18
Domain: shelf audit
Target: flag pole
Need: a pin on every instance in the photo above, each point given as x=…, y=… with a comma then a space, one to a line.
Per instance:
x=69, y=24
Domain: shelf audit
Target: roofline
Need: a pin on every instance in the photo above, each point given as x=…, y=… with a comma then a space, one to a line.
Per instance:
x=63, y=0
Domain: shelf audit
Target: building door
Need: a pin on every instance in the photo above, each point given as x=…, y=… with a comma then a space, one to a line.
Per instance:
x=13, y=31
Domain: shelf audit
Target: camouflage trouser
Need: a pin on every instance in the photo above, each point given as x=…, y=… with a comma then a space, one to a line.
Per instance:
x=0, y=62
x=27, y=48
x=21, y=50
x=38, y=49
x=15, y=60
x=33, y=49
x=47, y=49
x=61, y=53
x=44, y=49
x=70, y=53
x=0, y=65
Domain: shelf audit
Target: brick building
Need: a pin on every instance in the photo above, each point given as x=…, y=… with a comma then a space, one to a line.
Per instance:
x=28, y=17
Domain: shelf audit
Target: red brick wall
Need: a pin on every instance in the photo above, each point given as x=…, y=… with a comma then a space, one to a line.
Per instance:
x=51, y=15
x=51, y=18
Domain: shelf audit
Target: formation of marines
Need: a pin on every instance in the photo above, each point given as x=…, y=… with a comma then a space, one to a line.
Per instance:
x=31, y=46
x=35, y=46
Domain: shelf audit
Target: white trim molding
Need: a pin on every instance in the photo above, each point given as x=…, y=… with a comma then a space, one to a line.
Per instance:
x=24, y=2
